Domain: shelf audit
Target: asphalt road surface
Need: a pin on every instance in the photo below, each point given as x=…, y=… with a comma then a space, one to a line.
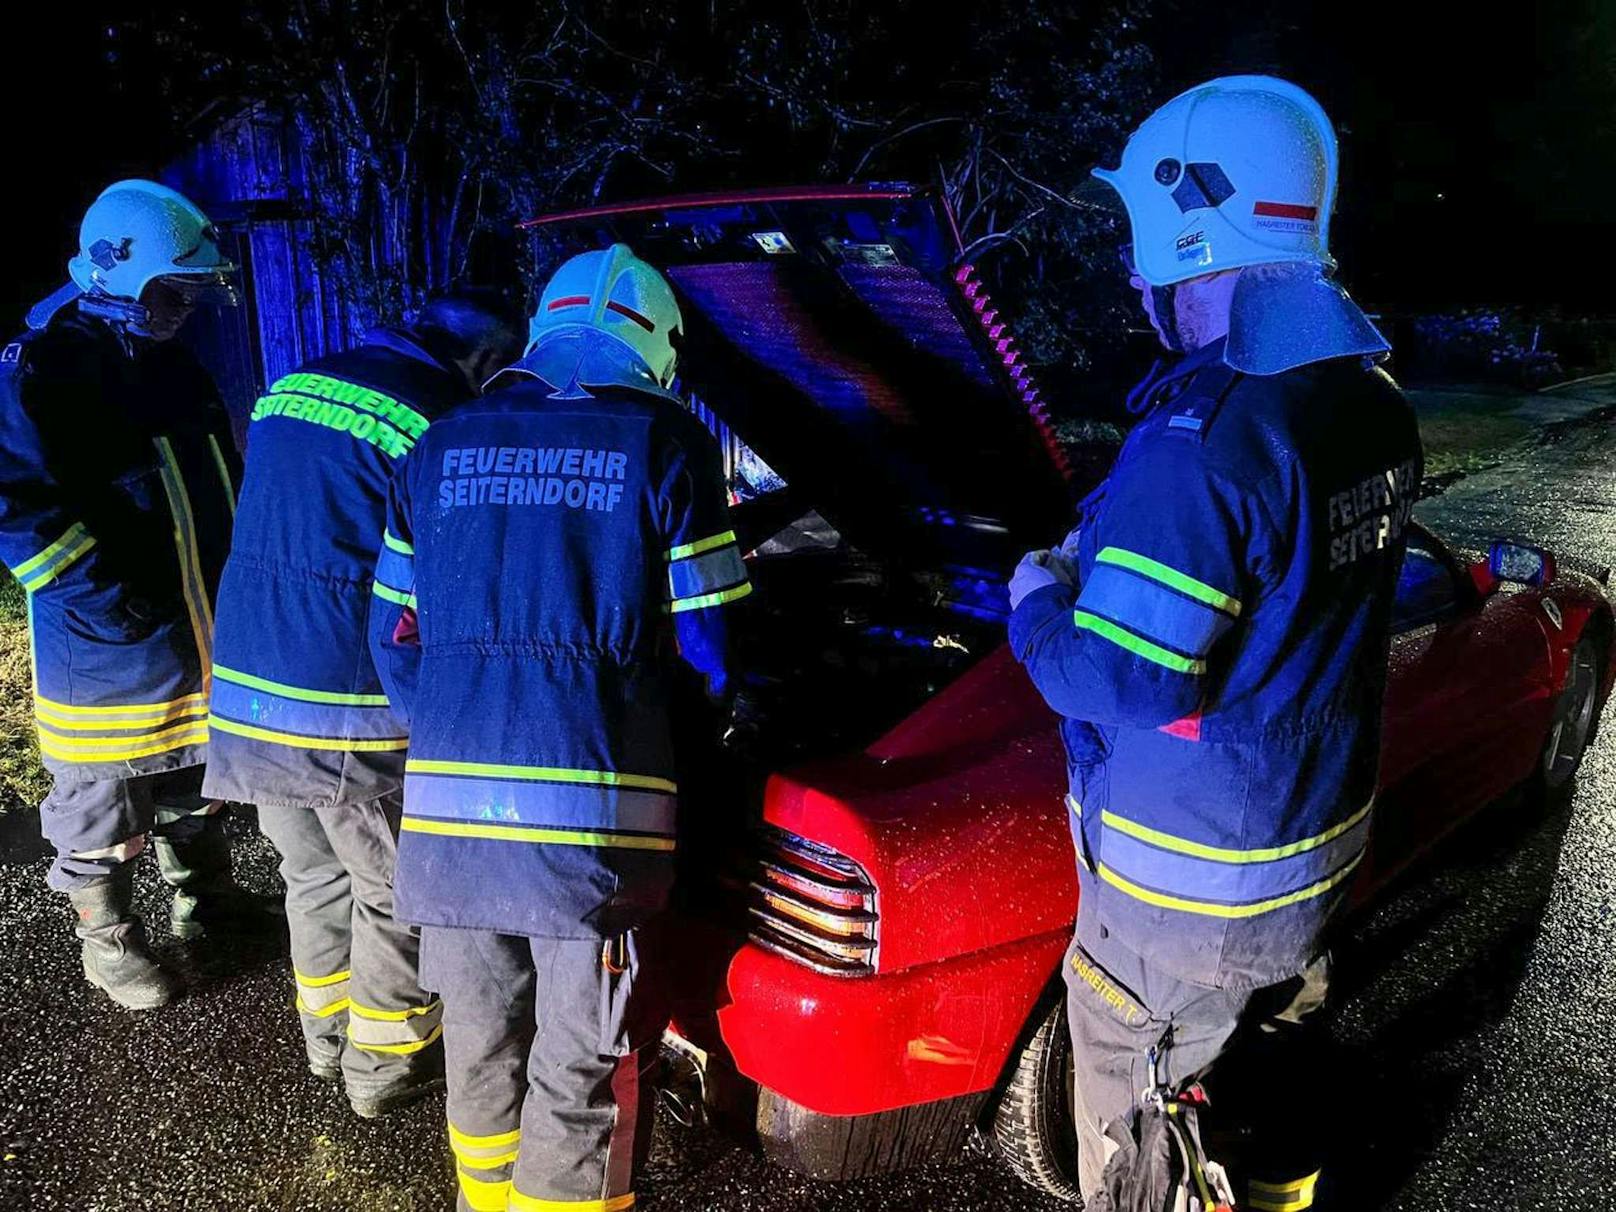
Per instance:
x=1477, y=1010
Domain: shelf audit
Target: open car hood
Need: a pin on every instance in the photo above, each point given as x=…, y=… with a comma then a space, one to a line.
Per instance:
x=836, y=332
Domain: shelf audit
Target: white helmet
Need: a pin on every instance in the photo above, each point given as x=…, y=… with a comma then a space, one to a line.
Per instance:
x=1238, y=171
x=139, y=230
x=612, y=292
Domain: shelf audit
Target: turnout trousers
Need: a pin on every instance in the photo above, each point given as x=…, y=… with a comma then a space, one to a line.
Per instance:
x=96, y=826
x=548, y=1048
x=359, y=996
x=1265, y=1122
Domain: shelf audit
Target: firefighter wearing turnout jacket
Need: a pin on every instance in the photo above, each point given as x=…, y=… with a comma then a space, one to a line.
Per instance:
x=1215, y=634
x=117, y=482
x=549, y=549
x=300, y=724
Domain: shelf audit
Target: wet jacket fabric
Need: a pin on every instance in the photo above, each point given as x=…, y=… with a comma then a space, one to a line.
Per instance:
x=545, y=560
x=298, y=715
x=117, y=485
x=1222, y=659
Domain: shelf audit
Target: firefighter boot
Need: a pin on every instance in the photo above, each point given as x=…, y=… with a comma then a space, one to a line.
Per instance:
x=194, y=858
x=116, y=957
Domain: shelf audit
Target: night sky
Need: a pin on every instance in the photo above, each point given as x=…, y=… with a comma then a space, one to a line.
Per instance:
x=1479, y=150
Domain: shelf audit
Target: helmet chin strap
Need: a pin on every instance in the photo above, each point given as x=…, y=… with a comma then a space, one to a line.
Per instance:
x=1162, y=303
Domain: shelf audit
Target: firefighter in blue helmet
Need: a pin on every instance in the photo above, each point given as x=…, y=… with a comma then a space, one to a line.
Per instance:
x=1215, y=634
x=300, y=724
x=549, y=550
x=117, y=482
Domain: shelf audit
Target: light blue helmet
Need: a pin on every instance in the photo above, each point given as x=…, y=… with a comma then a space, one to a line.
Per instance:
x=1238, y=171
x=612, y=303
x=139, y=230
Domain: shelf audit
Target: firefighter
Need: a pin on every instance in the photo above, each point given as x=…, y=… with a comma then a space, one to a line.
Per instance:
x=547, y=551
x=1215, y=634
x=300, y=724
x=117, y=482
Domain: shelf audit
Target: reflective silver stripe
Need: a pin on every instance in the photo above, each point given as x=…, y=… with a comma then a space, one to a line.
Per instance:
x=489, y=1151
x=707, y=573
x=321, y=996
x=394, y=1031
x=122, y=852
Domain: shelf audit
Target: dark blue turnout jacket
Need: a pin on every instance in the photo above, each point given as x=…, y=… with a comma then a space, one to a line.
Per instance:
x=298, y=715
x=544, y=560
x=1222, y=660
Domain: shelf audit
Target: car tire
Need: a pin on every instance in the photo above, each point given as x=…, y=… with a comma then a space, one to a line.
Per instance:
x=1571, y=727
x=1033, y=1127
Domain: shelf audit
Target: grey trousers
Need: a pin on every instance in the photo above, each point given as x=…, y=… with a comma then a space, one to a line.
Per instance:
x=95, y=827
x=548, y=1046
x=1119, y=1007
x=359, y=995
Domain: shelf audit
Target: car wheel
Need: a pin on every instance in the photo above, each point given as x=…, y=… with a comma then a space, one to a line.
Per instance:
x=1571, y=727
x=1033, y=1128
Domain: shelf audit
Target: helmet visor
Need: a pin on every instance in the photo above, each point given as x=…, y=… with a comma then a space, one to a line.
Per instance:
x=212, y=288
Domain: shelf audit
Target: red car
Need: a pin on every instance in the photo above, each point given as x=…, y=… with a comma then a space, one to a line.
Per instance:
x=882, y=973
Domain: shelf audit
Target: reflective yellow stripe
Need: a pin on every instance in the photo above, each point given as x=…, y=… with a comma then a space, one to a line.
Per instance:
x=459, y=1139
x=298, y=692
x=69, y=536
x=528, y=1203
x=104, y=719
x=712, y=599
x=319, y=982
x=490, y=1162
x=49, y=573
x=199, y=737
x=389, y=594
x=394, y=1016
x=548, y=837
x=307, y=742
x=1283, y=1197
x=394, y=1049
x=483, y=1196
x=1171, y=577
x=325, y=1010
x=191, y=579
x=1138, y=645
x=541, y=774
x=1213, y=909
x=700, y=545
x=1269, y=854
x=224, y=473
x=87, y=744
x=397, y=544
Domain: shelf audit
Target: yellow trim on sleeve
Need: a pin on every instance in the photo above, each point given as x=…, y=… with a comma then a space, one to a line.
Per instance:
x=733, y=594
x=711, y=543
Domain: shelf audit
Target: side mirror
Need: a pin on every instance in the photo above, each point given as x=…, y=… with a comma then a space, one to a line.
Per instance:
x=1519, y=563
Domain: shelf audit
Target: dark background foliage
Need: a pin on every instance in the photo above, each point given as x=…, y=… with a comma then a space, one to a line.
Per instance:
x=1478, y=147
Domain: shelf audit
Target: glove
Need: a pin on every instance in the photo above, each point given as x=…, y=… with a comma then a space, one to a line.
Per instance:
x=1038, y=569
x=1068, y=547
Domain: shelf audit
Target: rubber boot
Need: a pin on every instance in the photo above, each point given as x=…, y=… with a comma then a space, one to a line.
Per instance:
x=207, y=900
x=116, y=957
x=423, y=1077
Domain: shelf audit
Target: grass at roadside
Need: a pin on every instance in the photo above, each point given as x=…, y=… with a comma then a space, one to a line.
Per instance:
x=22, y=780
